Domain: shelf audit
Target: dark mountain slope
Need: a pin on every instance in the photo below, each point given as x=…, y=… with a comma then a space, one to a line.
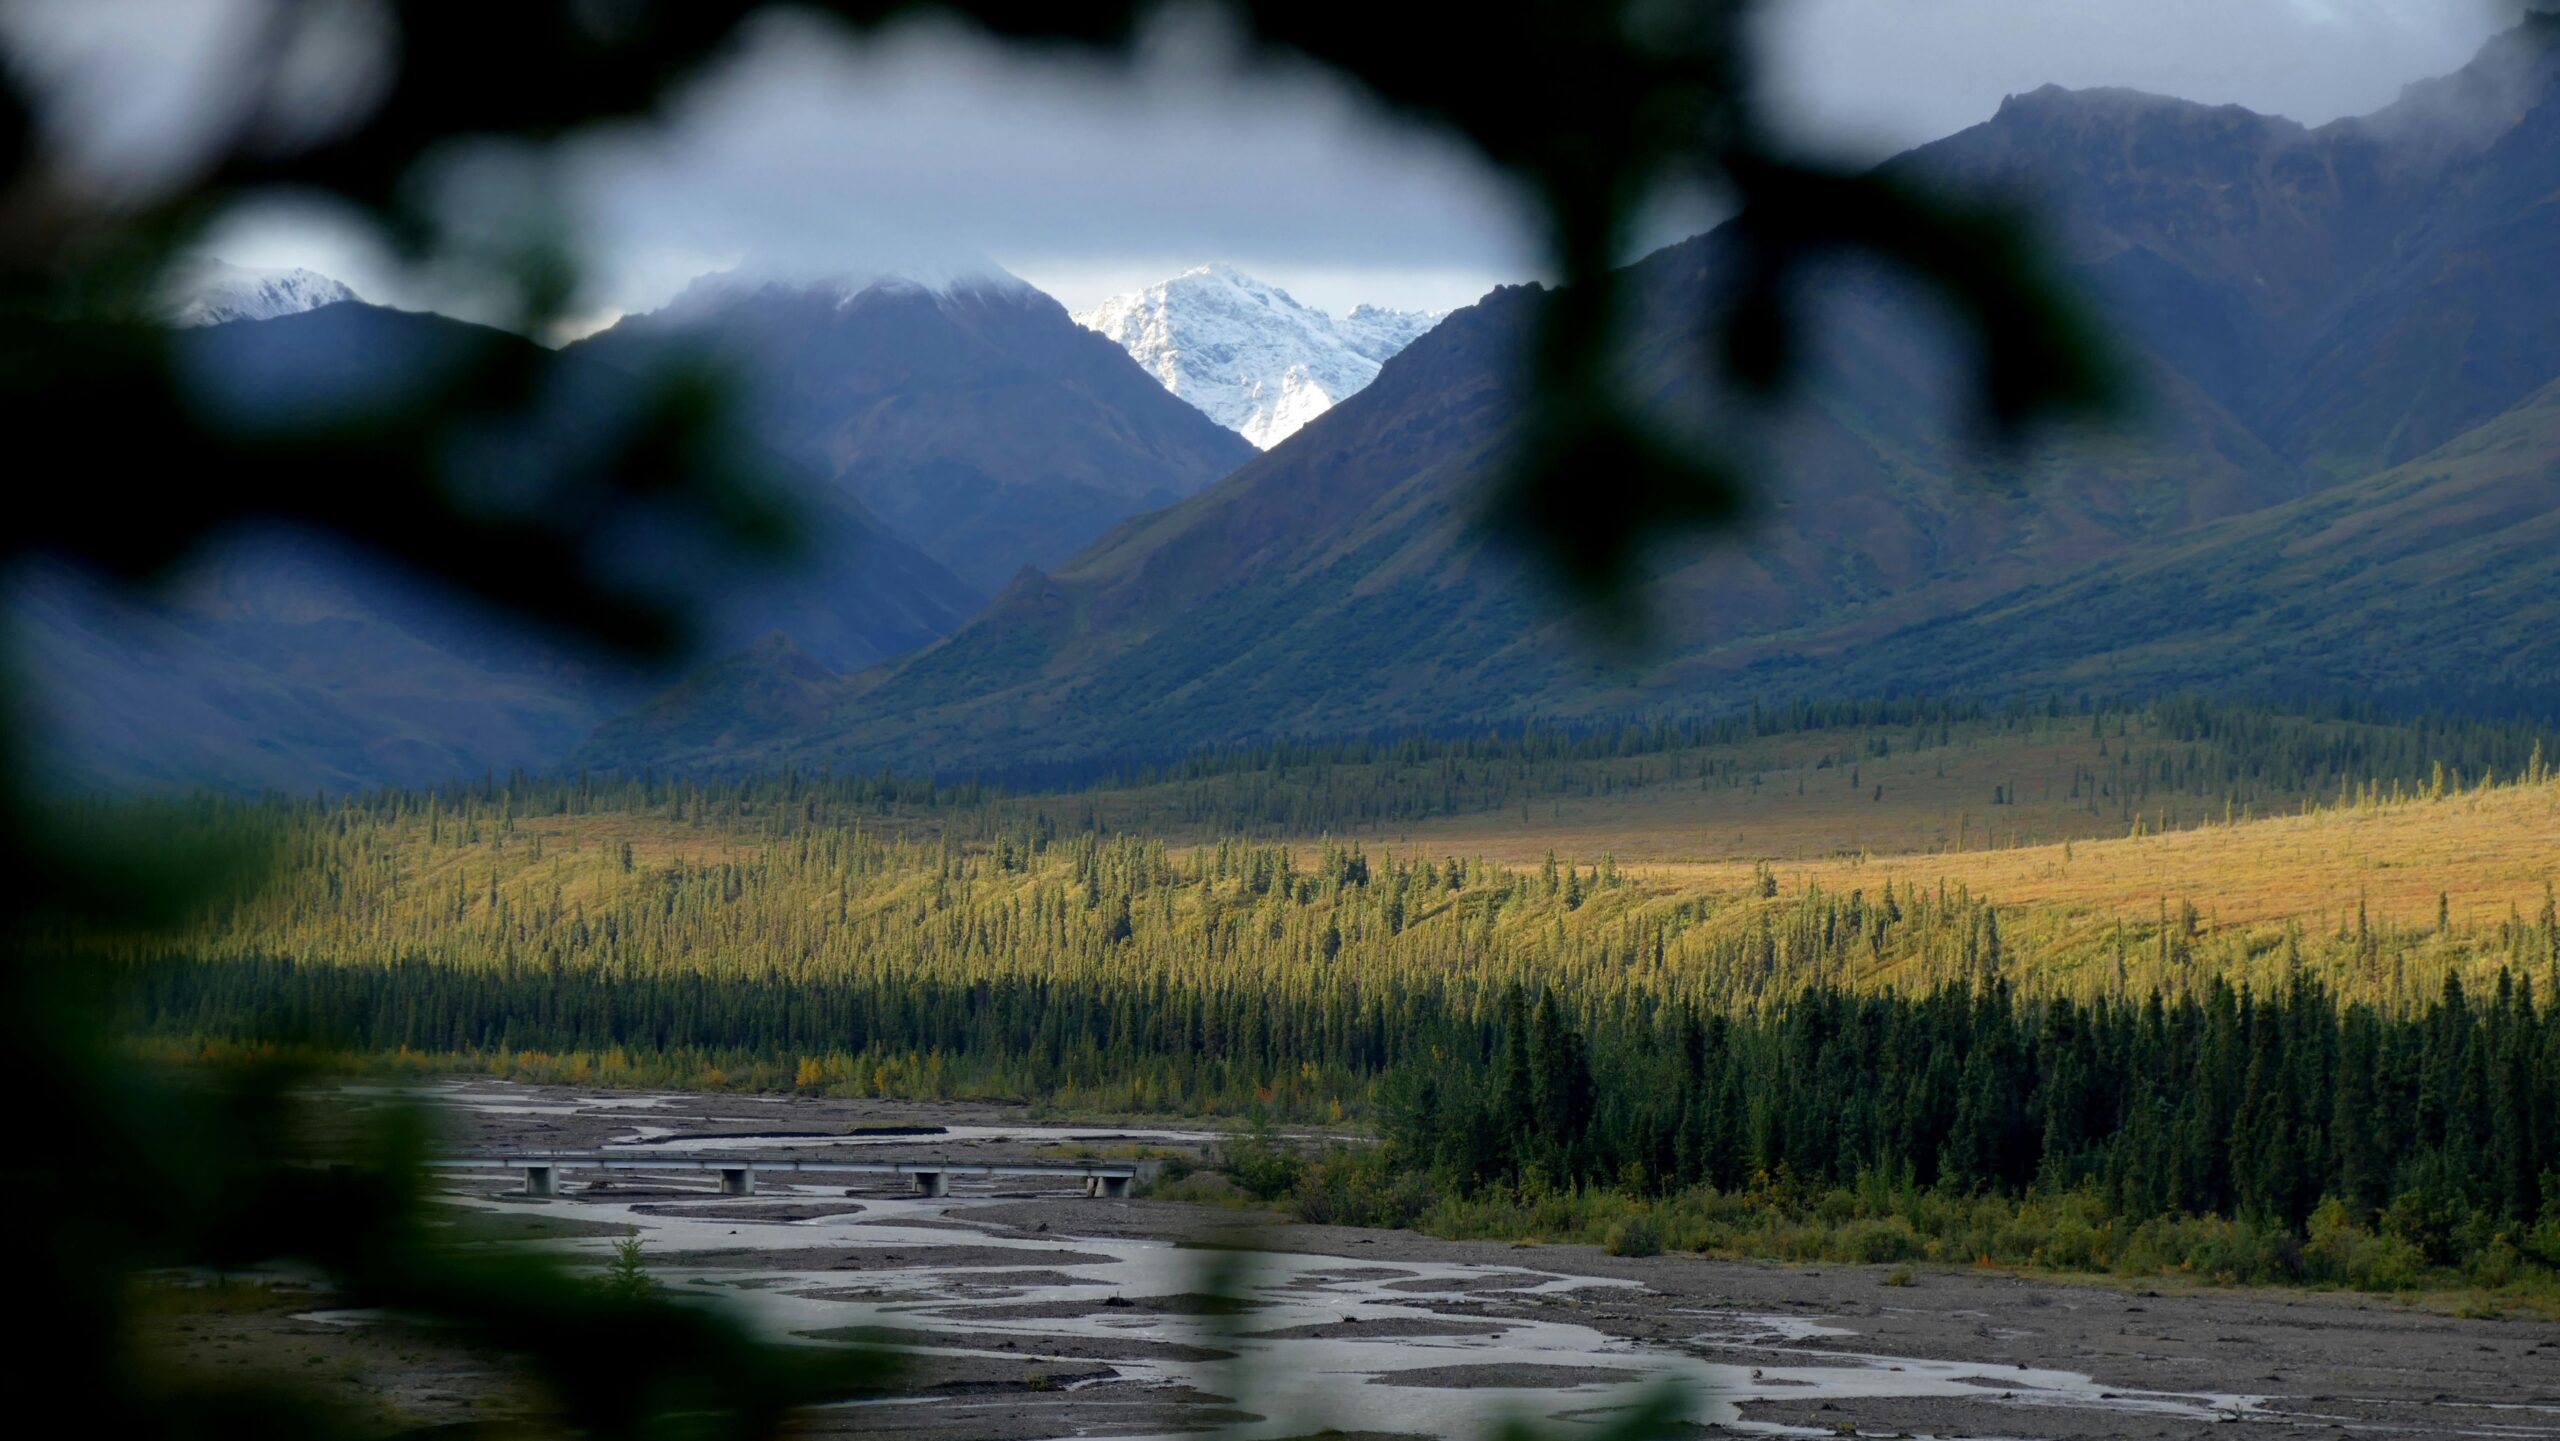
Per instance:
x=2462, y=322
x=973, y=415
x=2358, y=293
x=2437, y=581
x=283, y=666
x=1340, y=582
x=278, y=662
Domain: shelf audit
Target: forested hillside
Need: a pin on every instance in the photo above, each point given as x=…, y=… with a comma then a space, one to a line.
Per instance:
x=2283, y=970
x=877, y=922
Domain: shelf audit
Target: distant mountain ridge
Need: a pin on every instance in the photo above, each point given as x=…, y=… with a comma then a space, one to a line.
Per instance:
x=2303, y=307
x=956, y=402
x=1339, y=583
x=2431, y=584
x=279, y=662
x=1249, y=355
x=209, y=292
x=2357, y=293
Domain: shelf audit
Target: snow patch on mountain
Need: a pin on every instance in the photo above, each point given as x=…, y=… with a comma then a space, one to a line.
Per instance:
x=210, y=292
x=1249, y=355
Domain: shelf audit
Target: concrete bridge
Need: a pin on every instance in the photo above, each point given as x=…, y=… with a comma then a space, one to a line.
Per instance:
x=738, y=1177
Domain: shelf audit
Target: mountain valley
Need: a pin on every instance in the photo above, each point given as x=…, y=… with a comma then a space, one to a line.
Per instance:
x=966, y=409
x=1340, y=583
x=2338, y=475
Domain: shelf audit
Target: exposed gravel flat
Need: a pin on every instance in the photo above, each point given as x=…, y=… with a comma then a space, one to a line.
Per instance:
x=2324, y=1364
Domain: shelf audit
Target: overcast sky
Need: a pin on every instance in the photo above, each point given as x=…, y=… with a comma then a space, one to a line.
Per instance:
x=1088, y=179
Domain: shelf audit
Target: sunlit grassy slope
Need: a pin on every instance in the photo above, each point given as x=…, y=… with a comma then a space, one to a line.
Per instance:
x=2481, y=852
x=2480, y=856
x=2140, y=852
x=2386, y=891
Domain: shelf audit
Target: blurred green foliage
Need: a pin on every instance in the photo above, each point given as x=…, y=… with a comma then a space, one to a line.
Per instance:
x=1596, y=107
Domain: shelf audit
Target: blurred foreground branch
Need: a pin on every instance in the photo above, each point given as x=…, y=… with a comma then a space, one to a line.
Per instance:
x=1597, y=109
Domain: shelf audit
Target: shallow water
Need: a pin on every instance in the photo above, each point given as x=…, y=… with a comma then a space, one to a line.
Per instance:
x=1303, y=1383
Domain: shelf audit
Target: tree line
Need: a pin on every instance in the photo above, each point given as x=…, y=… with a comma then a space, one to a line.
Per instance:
x=2229, y=1102
x=2229, y=755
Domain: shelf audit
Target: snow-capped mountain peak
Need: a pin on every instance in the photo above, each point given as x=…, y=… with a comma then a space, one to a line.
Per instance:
x=1378, y=333
x=1248, y=354
x=209, y=292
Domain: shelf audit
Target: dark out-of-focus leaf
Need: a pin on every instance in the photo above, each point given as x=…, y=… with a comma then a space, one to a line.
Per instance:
x=1594, y=106
x=1597, y=108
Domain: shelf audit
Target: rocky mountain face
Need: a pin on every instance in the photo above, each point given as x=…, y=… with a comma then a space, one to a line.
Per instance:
x=1247, y=354
x=961, y=406
x=280, y=662
x=2357, y=294
x=210, y=292
x=2305, y=310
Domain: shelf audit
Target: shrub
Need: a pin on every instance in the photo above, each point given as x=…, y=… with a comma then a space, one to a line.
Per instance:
x=2497, y=1264
x=2542, y=1242
x=1357, y=1187
x=1876, y=1242
x=2383, y=1263
x=1835, y=1206
x=2338, y=1251
x=2073, y=1244
x=1633, y=1236
x=2429, y=1217
x=1200, y=1188
x=1265, y=1169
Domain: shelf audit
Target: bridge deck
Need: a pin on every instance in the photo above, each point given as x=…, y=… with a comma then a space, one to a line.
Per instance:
x=623, y=1161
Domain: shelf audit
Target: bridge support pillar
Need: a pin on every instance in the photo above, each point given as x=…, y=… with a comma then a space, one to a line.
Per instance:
x=737, y=1181
x=931, y=1183
x=542, y=1180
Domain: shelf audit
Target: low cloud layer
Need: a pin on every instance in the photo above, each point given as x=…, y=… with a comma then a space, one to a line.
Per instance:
x=1872, y=77
x=1090, y=178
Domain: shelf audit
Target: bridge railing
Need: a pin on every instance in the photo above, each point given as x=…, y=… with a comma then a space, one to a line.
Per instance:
x=738, y=1175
